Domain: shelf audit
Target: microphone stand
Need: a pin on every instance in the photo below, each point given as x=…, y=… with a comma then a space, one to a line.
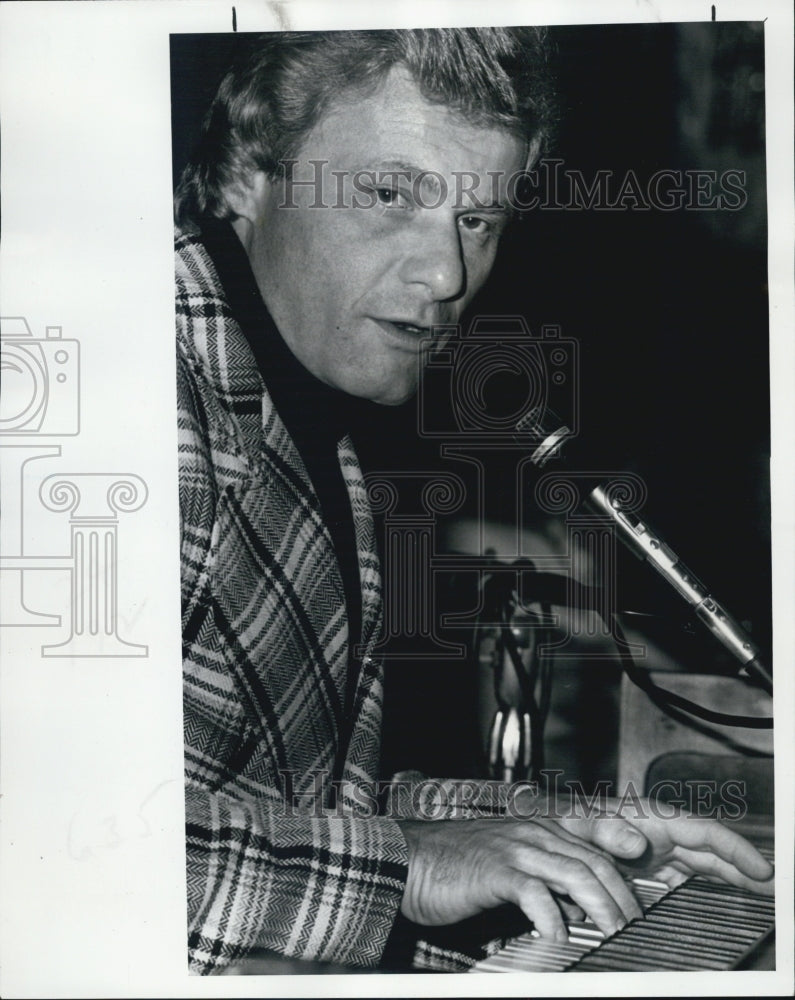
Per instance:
x=521, y=680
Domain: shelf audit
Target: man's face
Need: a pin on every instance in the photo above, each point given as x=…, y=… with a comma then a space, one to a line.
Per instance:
x=354, y=289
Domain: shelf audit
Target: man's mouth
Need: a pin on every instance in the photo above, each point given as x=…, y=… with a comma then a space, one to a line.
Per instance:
x=404, y=335
x=420, y=331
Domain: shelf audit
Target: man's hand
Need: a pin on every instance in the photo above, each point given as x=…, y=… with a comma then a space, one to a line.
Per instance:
x=673, y=847
x=459, y=867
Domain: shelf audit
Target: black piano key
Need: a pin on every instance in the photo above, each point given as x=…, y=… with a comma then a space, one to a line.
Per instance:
x=707, y=889
x=708, y=902
x=707, y=943
x=692, y=950
x=601, y=962
x=679, y=958
x=677, y=920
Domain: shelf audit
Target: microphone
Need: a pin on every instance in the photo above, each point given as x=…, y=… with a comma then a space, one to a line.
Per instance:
x=547, y=433
x=546, y=430
x=646, y=543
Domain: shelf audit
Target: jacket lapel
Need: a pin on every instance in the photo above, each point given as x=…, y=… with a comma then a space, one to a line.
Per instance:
x=364, y=750
x=369, y=571
x=277, y=579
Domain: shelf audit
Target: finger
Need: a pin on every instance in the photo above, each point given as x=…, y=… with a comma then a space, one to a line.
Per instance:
x=575, y=878
x=704, y=863
x=570, y=909
x=703, y=834
x=535, y=900
x=672, y=874
x=615, y=835
x=615, y=885
x=601, y=866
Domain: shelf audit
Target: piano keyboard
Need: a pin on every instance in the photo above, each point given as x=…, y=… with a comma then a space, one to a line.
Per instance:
x=698, y=925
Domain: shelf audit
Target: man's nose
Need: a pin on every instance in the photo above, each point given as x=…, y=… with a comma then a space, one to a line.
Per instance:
x=435, y=259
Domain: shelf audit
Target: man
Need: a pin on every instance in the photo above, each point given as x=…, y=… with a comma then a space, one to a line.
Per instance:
x=346, y=202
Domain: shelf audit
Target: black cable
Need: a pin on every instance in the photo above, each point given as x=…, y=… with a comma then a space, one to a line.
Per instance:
x=540, y=672
x=545, y=639
x=667, y=700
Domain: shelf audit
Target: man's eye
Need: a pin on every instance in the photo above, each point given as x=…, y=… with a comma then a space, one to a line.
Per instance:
x=475, y=224
x=390, y=197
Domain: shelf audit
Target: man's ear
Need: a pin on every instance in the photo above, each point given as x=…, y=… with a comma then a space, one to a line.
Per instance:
x=248, y=196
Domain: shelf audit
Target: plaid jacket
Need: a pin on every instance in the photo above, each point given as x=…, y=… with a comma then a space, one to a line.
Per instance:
x=265, y=647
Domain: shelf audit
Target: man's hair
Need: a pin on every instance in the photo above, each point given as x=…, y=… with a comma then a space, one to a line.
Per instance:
x=281, y=85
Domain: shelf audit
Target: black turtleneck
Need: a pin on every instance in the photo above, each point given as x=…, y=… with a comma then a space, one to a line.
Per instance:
x=315, y=415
